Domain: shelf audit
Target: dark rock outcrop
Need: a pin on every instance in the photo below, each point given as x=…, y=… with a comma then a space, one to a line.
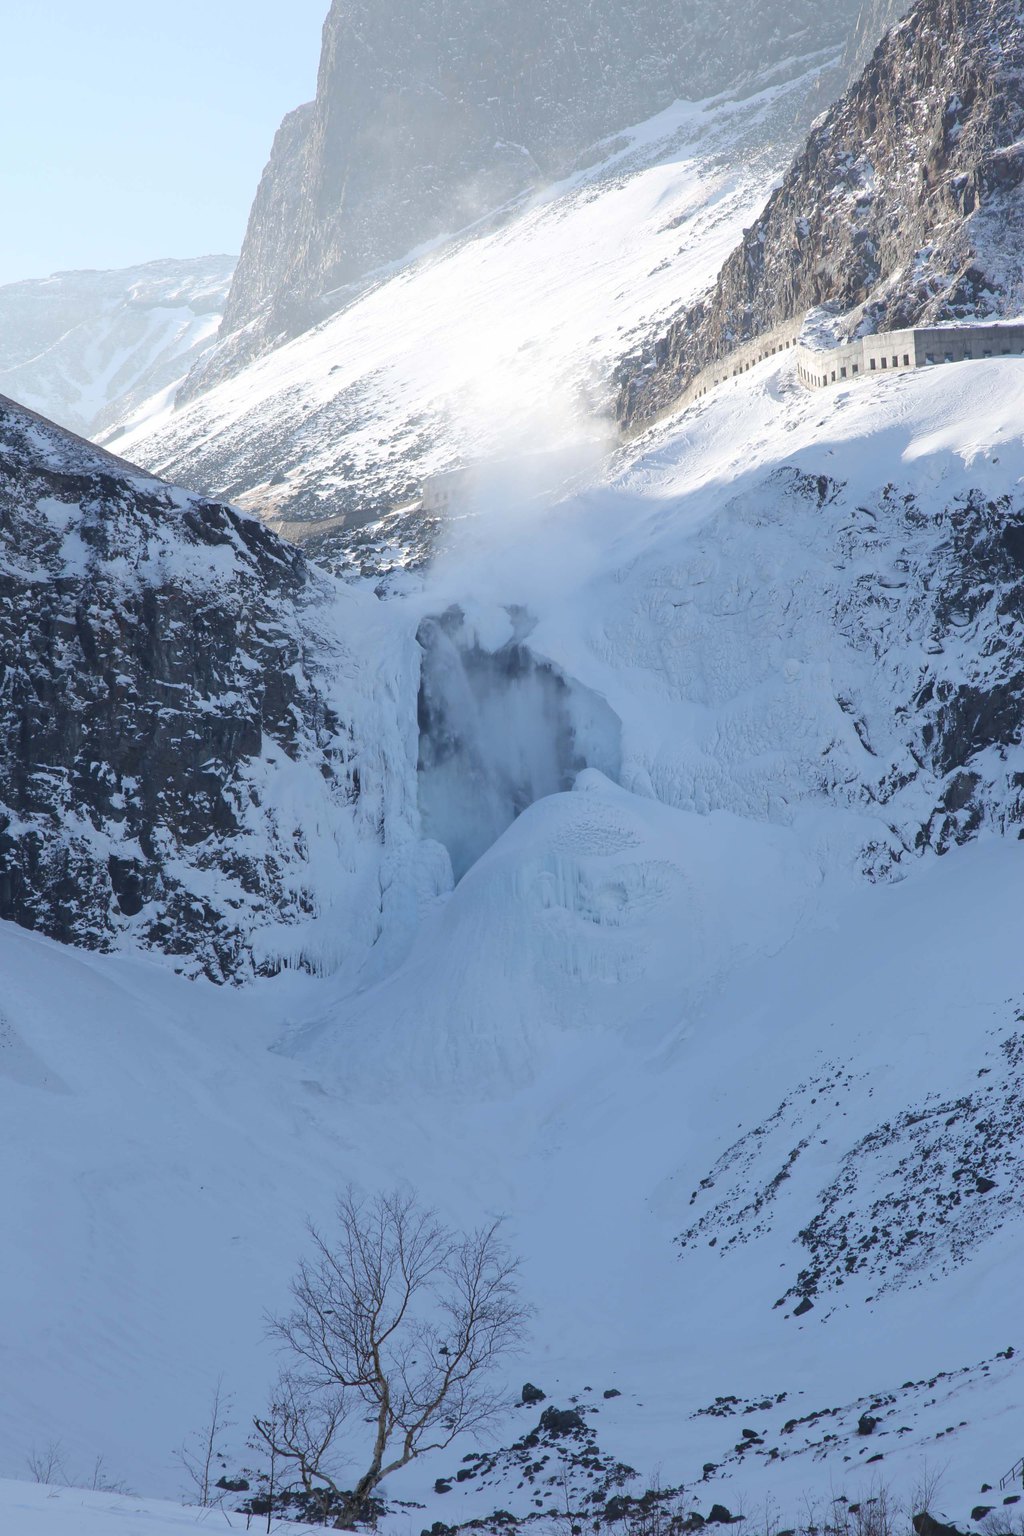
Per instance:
x=153, y=667
x=926, y=1525
x=421, y=125
x=561, y=1421
x=904, y=207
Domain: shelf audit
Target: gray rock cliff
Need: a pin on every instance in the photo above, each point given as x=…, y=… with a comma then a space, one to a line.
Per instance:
x=422, y=125
x=156, y=673
x=904, y=208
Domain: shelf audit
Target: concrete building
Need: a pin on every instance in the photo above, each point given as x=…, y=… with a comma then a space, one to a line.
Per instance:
x=441, y=493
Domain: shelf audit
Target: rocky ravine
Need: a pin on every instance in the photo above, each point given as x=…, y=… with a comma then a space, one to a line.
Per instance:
x=419, y=129
x=903, y=209
x=159, y=691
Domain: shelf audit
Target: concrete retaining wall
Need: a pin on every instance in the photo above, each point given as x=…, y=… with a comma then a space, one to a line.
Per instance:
x=745, y=357
x=894, y=351
x=871, y=356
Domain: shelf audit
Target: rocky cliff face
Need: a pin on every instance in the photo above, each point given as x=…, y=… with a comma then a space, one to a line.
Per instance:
x=157, y=674
x=420, y=126
x=904, y=208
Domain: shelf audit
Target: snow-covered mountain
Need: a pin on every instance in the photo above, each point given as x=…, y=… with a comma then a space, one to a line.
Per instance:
x=422, y=124
x=88, y=348
x=488, y=346
x=644, y=866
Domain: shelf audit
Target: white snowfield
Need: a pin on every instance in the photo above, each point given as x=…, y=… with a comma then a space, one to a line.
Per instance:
x=665, y=1025
x=28, y=1509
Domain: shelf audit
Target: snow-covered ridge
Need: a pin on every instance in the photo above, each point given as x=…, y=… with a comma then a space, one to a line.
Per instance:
x=418, y=130
x=86, y=349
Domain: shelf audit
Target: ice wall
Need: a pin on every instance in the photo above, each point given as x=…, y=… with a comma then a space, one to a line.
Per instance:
x=499, y=729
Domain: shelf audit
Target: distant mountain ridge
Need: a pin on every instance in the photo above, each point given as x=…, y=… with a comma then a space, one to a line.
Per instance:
x=420, y=127
x=904, y=208
x=87, y=348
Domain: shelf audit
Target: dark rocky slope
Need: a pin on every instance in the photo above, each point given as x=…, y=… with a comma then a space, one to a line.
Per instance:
x=154, y=670
x=904, y=207
x=420, y=127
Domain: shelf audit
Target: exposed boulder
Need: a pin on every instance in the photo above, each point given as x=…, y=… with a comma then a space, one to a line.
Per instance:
x=561, y=1421
x=926, y=1525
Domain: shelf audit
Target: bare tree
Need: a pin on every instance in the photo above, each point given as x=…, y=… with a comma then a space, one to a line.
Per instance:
x=399, y=1315
x=47, y=1465
x=198, y=1453
x=300, y=1430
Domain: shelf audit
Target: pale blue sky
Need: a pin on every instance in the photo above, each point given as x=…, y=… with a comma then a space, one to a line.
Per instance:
x=132, y=129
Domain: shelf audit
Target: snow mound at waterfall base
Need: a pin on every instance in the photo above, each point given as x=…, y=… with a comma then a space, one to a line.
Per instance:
x=596, y=910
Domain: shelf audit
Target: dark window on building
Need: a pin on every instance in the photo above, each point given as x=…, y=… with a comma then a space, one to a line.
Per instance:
x=855, y=368
x=842, y=373
x=873, y=365
x=906, y=359
x=885, y=362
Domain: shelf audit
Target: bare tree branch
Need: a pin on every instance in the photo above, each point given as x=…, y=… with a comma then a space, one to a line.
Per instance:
x=398, y=1315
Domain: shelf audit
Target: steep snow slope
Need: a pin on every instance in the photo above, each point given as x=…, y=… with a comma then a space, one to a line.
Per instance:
x=423, y=123
x=710, y=1071
x=490, y=344
x=88, y=348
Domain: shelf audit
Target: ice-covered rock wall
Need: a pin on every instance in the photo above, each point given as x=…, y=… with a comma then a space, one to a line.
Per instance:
x=178, y=768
